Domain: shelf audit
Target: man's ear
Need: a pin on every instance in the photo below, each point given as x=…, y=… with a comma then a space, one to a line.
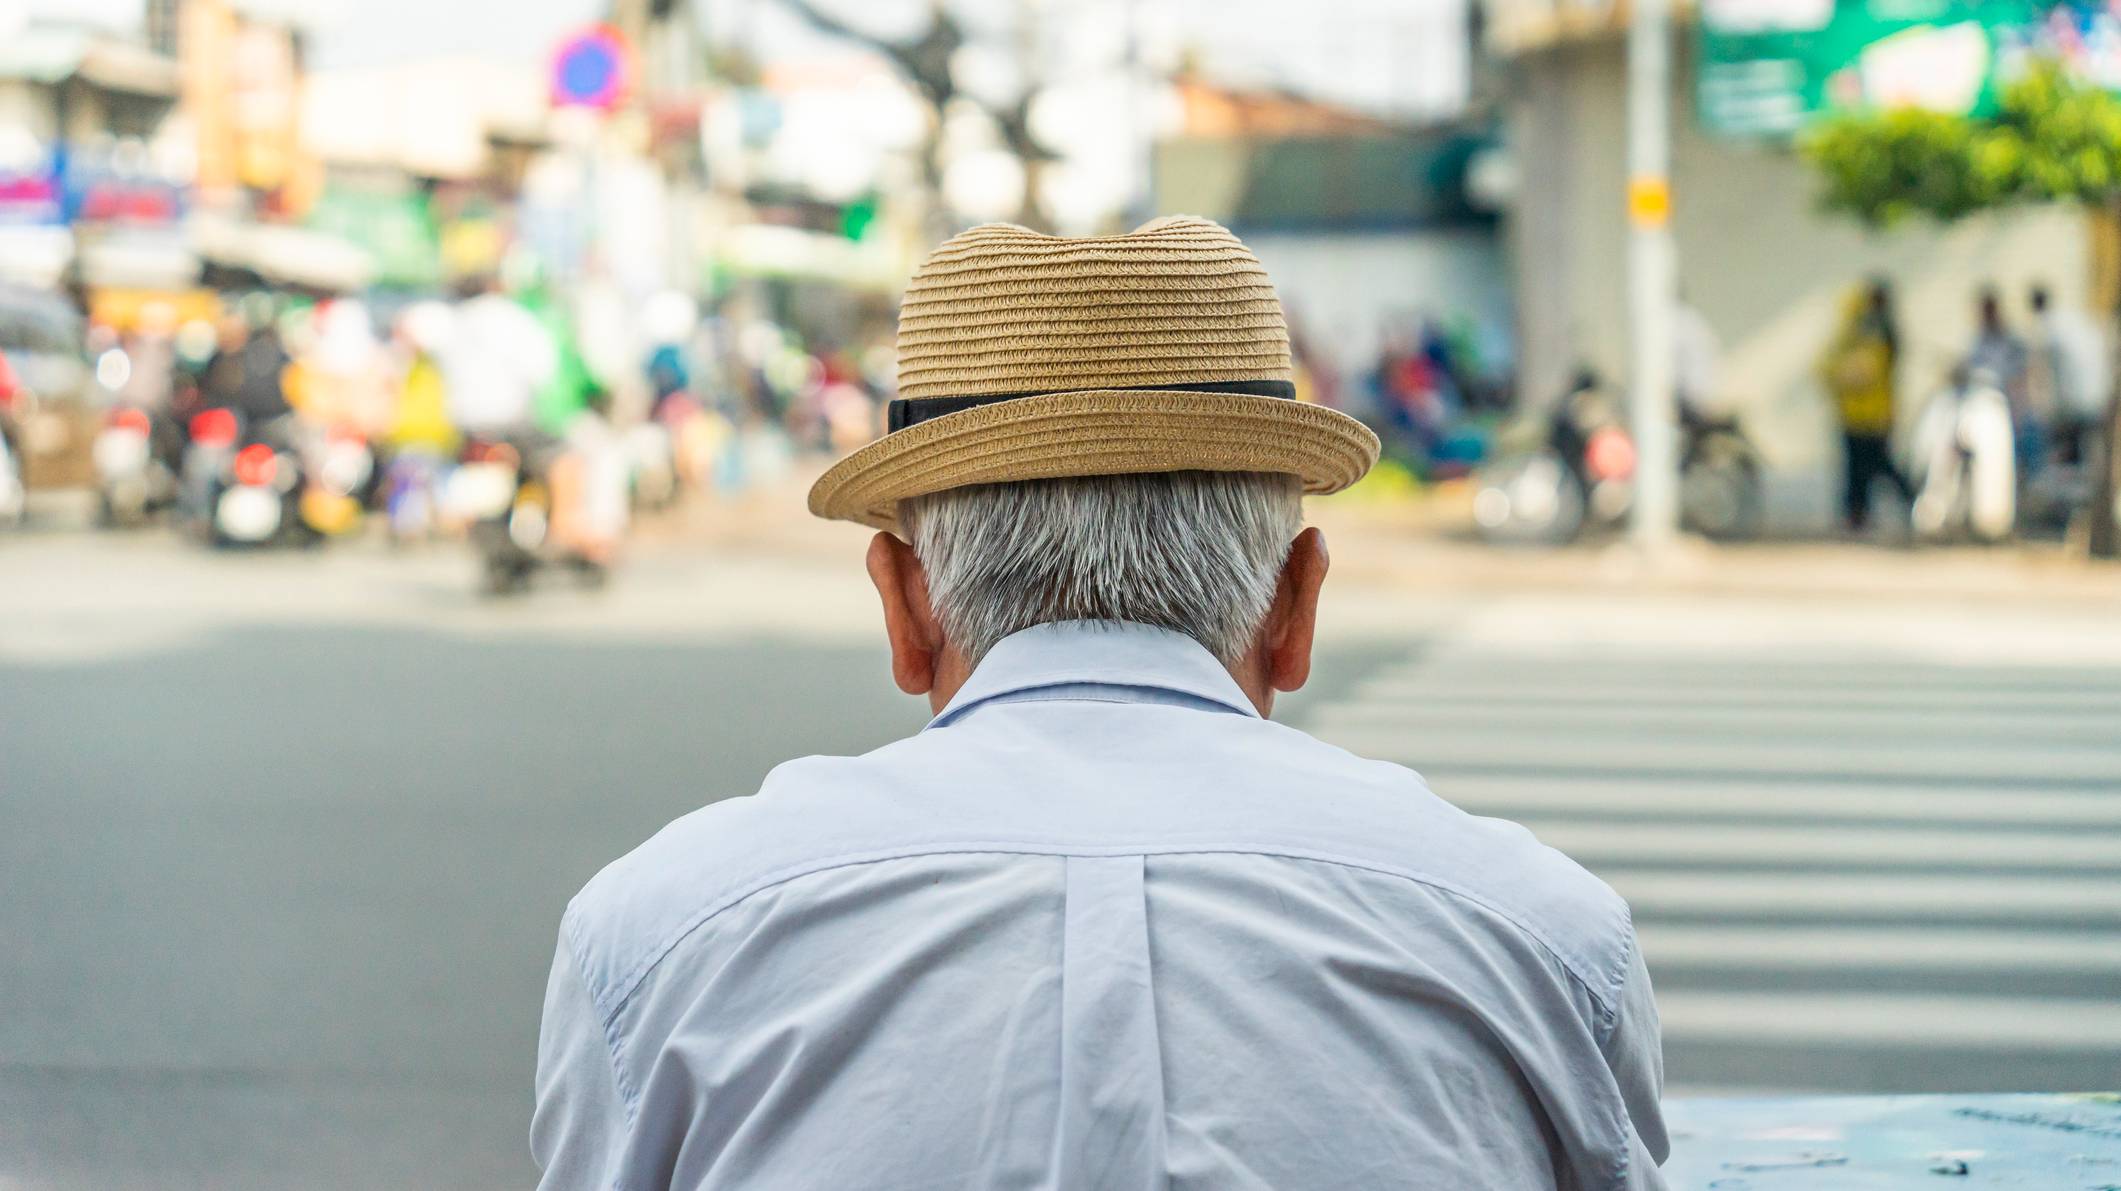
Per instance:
x=1294, y=619
x=909, y=622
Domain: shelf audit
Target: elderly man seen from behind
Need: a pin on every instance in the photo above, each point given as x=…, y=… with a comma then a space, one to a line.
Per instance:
x=1102, y=924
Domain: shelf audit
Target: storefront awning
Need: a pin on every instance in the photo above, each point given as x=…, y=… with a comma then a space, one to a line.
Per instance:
x=279, y=252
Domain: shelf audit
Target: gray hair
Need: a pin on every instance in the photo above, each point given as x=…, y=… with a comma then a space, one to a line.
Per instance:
x=1197, y=552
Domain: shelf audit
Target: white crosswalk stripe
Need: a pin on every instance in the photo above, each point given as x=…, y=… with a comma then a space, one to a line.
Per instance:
x=1842, y=897
x=1869, y=1019
x=1822, y=858
x=1827, y=947
x=1813, y=801
x=1644, y=747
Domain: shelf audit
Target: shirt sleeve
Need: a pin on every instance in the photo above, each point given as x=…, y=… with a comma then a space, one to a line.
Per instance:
x=579, y=1124
x=1635, y=1053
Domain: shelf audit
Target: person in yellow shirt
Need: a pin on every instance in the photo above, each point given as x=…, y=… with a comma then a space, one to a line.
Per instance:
x=1859, y=370
x=420, y=419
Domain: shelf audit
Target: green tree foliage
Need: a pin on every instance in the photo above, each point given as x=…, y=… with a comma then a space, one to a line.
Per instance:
x=2053, y=138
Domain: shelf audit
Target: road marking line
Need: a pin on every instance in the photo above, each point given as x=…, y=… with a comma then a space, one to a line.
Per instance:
x=1892, y=1020
x=1524, y=744
x=1931, y=897
x=1827, y=948
x=1592, y=843
x=1431, y=690
x=2026, y=728
x=1520, y=798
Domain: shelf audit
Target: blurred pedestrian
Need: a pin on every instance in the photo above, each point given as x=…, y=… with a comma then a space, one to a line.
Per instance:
x=151, y=351
x=1999, y=356
x=2070, y=353
x=1860, y=369
x=151, y=381
x=420, y=443
x=1695, y=354
x=590, y=485
x=1317, y=380
x=346, y=368
x=1100, y=925
x=669, y=320
x=419, y=418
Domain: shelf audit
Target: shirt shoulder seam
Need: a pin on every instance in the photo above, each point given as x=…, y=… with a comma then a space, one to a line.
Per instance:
x=607, y=1022
x=609, y=1001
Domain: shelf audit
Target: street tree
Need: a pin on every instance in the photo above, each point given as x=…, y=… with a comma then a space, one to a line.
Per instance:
x=928, y=63
x=2053, y=138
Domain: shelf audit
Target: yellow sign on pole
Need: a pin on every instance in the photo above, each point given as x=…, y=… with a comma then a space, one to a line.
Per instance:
x=1649, y=201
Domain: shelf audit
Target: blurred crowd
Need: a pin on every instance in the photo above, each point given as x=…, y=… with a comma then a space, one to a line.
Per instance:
x=611, y=409
x=385, y=408
x=1433, y=391
x=382, y=407
x=2006, y=442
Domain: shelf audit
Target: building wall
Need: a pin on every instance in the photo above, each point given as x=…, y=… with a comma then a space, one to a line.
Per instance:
x=29, y=108
x=1764, y=266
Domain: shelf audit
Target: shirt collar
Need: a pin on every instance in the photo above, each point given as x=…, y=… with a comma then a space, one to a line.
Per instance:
x=1097, y=653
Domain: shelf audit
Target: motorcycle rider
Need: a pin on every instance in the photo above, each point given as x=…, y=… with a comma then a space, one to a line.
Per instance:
x=497, y=357
x=246, y=374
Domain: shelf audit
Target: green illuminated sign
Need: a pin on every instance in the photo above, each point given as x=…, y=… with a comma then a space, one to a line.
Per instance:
x=1768, y=67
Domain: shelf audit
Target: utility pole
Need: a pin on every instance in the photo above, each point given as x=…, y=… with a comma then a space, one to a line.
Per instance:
x=1653, y=290
x=1141, y=204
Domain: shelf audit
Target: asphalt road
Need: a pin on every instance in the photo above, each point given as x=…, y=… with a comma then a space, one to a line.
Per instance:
x=278, y=893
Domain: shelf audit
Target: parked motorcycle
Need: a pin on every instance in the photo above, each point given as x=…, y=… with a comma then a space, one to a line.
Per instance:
x=340, y=480
x=257, y=501
x=243, y=484
x=1553, y=477
x=210, y=445
x=1575, y=470
x=410, y=495
x=500, y=490
x=136, y=458
x=1965, y=465
x=14, y=496
x=1719, y=477
x=652, y=464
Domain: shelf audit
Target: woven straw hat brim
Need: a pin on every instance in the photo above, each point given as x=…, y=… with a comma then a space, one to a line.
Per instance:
x=1096, y=432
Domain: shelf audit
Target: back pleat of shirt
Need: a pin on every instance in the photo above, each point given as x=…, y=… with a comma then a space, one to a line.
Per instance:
x=1110, y=1129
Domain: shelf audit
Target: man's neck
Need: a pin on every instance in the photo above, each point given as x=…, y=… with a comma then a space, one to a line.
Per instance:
x=1252, y=674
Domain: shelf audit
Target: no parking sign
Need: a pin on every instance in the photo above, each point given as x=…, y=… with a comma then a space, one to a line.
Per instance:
x=592, y=69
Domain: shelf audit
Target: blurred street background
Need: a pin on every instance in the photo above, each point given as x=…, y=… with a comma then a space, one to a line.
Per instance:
x=406, y=411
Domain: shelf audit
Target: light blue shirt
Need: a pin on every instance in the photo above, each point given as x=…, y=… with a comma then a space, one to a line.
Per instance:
x=1099, y=925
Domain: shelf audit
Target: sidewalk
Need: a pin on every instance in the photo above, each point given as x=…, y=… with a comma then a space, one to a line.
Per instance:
x=1424, y=545
x=1402, y=571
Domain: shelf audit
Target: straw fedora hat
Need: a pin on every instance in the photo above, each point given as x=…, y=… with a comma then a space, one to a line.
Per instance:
x=1024, y=356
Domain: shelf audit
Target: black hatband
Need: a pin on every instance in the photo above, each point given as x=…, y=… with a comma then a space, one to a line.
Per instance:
x=913, y=411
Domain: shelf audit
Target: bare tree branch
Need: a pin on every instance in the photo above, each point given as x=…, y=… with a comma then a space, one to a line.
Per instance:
x=925, y=63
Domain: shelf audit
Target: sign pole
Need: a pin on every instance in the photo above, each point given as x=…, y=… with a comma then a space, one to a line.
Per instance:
x=1652, y=275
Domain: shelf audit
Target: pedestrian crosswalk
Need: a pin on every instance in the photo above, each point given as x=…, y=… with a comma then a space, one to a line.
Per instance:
x=1845, y=875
